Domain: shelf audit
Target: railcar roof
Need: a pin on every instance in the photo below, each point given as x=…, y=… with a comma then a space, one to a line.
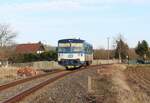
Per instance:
x=71, y=40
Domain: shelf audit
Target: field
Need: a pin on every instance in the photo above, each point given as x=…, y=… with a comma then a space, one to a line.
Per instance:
x=122, y=84
x=138, y=78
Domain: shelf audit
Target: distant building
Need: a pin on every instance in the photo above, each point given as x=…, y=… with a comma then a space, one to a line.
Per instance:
x=30, y=48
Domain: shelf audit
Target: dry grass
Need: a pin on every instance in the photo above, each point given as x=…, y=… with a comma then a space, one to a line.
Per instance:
x=8, y=74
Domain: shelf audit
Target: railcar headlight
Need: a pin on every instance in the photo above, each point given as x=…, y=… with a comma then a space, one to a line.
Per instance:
x=78, y=54
x=60, y=54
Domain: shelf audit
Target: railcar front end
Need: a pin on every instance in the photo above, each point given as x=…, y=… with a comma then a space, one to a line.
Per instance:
x=72, y=54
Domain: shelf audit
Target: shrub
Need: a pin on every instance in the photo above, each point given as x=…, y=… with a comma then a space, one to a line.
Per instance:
x=32, y=57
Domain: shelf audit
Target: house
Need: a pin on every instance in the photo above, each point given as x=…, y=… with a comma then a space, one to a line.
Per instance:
x=30, y=48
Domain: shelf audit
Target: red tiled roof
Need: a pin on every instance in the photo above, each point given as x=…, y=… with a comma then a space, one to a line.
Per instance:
x=29, y=48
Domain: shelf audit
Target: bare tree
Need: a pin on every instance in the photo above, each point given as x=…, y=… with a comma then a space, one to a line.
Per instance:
x=118, y=38
x=7, y=35
x=121, y=47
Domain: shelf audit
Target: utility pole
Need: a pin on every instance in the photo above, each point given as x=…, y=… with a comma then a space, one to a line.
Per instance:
x=120, y=47
x=108, y=49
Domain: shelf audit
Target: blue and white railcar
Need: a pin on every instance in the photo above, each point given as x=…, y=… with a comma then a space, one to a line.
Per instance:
x=74, y=53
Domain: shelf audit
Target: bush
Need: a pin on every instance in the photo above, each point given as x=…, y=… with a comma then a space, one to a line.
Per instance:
x=32, y=57
x=51, y=55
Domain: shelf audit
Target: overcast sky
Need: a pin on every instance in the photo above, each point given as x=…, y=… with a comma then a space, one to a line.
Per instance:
x=91, y=20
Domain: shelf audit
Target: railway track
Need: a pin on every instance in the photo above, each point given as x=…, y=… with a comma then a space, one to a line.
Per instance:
x=17, y=82
x=24, y=93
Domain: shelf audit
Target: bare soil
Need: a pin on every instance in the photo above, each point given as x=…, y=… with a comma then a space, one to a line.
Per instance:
x=138, y=78
x=127, y=84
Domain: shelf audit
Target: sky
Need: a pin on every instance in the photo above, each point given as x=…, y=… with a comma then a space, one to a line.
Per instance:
x=92, y=20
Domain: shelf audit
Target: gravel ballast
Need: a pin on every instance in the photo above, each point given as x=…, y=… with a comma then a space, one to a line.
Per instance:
x=70, y=89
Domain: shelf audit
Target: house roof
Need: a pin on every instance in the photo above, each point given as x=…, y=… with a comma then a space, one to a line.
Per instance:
x=29, y=48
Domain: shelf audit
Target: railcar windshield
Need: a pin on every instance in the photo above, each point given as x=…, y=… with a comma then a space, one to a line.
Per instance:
x=70, y=47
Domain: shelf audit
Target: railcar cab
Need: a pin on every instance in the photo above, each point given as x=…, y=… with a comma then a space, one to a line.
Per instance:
x=74, y=53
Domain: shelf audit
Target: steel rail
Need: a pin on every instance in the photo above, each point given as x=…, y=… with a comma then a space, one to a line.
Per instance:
x=17, y=82
x=33, y=89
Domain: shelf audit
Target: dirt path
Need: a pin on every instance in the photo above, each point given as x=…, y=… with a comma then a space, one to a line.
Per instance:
x=113, y=87
x=124, y=93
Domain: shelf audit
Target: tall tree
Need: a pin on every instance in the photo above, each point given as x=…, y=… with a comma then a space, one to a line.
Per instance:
x=142, y=49
x=7, y=35
x=121, y=51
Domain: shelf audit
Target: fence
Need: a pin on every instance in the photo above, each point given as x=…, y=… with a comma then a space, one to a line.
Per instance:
x=54, y=65
x=39, y=65
x=97, y=62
